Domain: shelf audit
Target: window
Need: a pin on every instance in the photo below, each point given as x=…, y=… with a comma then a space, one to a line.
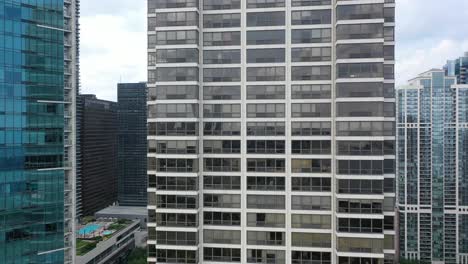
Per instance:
x=157, y=4
x=220, y=4
x=311, y=35
x=221, y=236
x=360, y=186
x=222, y=200
x=308, y=54
x=359, y=31
x=173, y=146
x=311, y=240
x=311, y=147
x=173, y=129
x=221, y=20
x=265, y=92
x=172, y=19
x=359, y=51
x=311, y=110
x=265, y=256
x=311, y=184
x=305, y=257
x=311, y=165
x=174, y=165
x=176, y=238
x=320, y=203
x=264, y=3
x=265, y=165
x=176, y=256
x=265, y=183
x=311, y=128
x=358, y=225
x=221, y=110
x=353, y=109
x=358, y=148
x=262, y=19
x=265, y=129
x=173, y=92
x=176, y=74
x=221, y=38
x=220, y=164
x=389, y=14
x=311, y=91
x=311, y=73
x=389, y=33
x=265, y=37
x=360, y=167
x=222, y=254
x=359, y=90
x=360, y=70
x=177, y=201
x=367, y=11
x=365, y=128
x=221, y=146
x=221, y=56
x=176, y=37
x=265, y=110
x=389, y=71
x=221, y=218
x=311, y=221
x=311, y=17
x=176, y=55
x=173, y=111
x=231, y=92
x=265, y=238
x=221, y=182
x=265, y=55
x=222, y=75
x=360, y=206
x=263, y=74
x=265, y=146
x=359, y=245
x=265, y=220
x=176, y=220
x=265, y=201
x=221, y=129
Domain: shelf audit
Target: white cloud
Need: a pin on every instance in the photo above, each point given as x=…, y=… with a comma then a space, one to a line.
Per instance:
x=411, y=62
x=113, y=49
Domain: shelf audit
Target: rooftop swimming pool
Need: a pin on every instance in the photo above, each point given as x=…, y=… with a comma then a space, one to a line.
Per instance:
x=89, y=229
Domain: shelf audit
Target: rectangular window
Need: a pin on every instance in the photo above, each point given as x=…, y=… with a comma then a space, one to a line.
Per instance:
x=265, y=201
x=311, y=17
x=266, y=165
x=221, y=38
x=177, y=55
x=311, y=91
x=264, y=3
x=359, y=51
x=311, y=129
x=311, y=165
x=359, y=31
x=221, y=4
x=177, y=74
x=221, y=56
x=311, y=35
x=265, y=55
x=262, y=19
x=172, y=19
x=179, y=37
x=221, y=110
x=265, y=92
x=221, y=20
x=265, y=129
x=311, y=54
x=265, y=110
x=222, y=75
x=265, y=37
x=366, y=11
x=311, y=110
x=221, y=128
x=231, y=92
x=360, y=70
x=173, y=111
x=173, y=92
x=311, y=73
x=265, y=74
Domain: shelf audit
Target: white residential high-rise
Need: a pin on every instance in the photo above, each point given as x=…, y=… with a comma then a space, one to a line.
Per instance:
x=271, y=131
x=71, y=12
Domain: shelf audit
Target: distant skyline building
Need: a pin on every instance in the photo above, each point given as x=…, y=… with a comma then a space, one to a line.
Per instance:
x=132, y=144
x=432, y=169
x=98, y=138
x=458, y=68
x=271, y=131
x=39, y=79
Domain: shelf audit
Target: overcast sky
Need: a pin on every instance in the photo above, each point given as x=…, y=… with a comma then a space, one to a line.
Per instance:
x=113, y=40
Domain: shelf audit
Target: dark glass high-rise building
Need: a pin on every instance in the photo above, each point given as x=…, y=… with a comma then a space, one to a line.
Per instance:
x=458, y=68
x=132, y=144
x=38, y=75
x=98, y=137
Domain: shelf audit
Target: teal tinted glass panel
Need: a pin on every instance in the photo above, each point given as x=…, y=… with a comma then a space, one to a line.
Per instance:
x=31, y=131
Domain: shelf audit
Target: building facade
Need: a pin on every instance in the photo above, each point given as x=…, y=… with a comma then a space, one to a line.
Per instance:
x=433, y=169
x=36, y=177
x=132, y=144
x=98, y=138
x=271, y=131
x=458, y=68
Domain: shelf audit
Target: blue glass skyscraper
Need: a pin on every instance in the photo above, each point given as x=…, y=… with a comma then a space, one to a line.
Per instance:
x=433, y=169
x=35, y=197
x=458, y=68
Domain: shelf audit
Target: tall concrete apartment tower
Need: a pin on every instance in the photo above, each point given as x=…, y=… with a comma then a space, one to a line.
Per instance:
x=71, y=12
x=271, y=131
x=433, y=169
x=38, y=84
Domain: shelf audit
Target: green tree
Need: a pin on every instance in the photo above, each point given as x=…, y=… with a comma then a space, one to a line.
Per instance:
x=137, y=256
